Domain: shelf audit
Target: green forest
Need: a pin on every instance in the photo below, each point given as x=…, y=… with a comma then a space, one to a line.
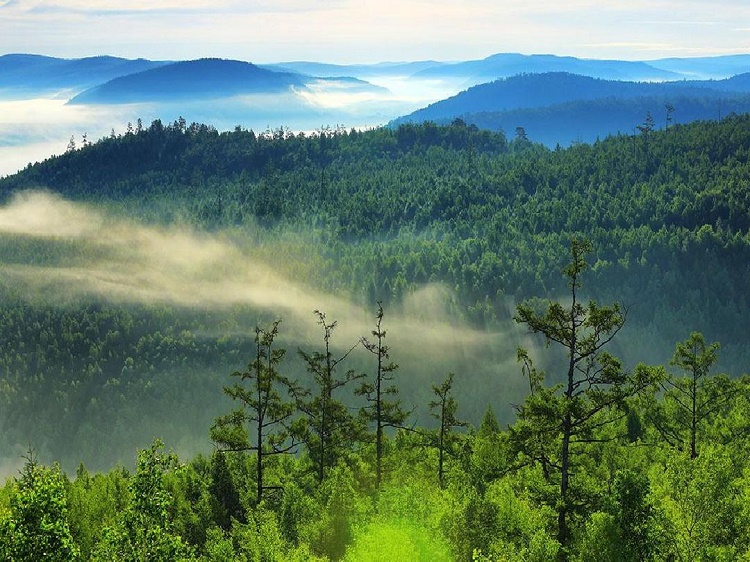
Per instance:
x=425, y=342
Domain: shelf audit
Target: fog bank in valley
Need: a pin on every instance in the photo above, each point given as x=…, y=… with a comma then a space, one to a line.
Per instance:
x=34, y=129
x=87, y=254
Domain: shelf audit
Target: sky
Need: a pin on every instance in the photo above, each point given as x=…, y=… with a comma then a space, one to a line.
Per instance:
x=367, y=31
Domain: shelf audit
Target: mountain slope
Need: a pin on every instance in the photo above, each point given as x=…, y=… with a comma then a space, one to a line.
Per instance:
x=589, y=121
x=528, y=91
x=667, y=210
x=509, y=64
x=453, y=224
x=203, y=78
x=40, y=74
x=558, y=108
x=705, y=67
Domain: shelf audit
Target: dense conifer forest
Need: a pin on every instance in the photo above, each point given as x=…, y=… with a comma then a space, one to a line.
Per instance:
x=587, y=400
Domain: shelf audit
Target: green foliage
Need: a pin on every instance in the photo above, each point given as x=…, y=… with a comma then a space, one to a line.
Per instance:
x=111, y=372
x=702, y=506
x=219, y=547
x=144, y=531
x=225, y=504
x=390, y=210
x=444, y=409
x=261, y=407
x=634, y=516
x=193, y=506
x=328, y=429
x=94, y=502
x=398, y=208
x=383, y=541
x=36, y=526
x=630, y=529
x=557, y=422
x=489, y=452
x=687, y=415
x=381, y=409
x=370, y=215
x=260, y=538
x=341, y=505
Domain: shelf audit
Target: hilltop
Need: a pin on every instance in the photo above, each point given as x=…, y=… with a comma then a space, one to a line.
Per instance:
x=562, y=108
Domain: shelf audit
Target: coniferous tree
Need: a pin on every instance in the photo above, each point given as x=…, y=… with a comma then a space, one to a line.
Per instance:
x=226, y=504
x=380, y=410
x=565, y=417
x=692, y=401
x=262, y=408
x=145, y=529
x=328, y=428
x=37, y=527
x=444, y=409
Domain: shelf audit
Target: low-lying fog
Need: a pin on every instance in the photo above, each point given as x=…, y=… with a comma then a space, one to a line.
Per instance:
x=117, y=259
x=87, y=254
x=34, y=129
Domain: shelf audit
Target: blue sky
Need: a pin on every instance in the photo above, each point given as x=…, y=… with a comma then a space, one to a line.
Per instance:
x=349, y=31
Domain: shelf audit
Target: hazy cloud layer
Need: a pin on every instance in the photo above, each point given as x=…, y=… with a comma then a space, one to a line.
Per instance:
x=96, y=256
x=34, y=129
x=121, y=261
x=61, y=253
x=370, y=31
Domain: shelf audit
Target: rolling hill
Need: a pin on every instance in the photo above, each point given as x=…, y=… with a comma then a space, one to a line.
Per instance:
x=560, y=108
x=203, y=78
x=26, y=74
x=705, y=67
x=503, y=65
x=168, y=239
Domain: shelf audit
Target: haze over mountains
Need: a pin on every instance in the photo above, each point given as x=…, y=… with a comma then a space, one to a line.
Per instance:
x=205, y=79
x=560, y=108
x=22, y=74
x=557, y=100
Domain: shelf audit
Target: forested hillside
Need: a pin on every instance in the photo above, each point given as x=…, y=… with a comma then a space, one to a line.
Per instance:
x=143, y=272
x=612, y=465
x=389, y=210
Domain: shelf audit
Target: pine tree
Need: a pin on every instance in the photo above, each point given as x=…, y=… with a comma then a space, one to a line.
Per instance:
x=691, y=402
x=328, y=428
x=380, y=410
x=444, y=410
x=555, y=423
x=262, y=408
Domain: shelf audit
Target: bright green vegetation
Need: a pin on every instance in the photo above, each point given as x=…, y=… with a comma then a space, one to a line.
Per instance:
x=603, y=467
x=633, y=446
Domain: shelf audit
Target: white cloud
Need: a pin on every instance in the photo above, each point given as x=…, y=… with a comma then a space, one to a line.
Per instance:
x=367, y=30
x=115, y=7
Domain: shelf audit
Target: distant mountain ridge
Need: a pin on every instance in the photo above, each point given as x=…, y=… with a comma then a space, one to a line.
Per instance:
x=205, y=78
x=305, y=96
x=503, y=65
x=24, y=72
x=705, y=68
x=560, y=108
x=326, y=70
x=30, y=72
x=538, y=90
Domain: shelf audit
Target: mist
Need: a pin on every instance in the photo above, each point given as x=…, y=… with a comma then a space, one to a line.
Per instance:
x=121, y=261
x=32, y=130
x=37, y=128
x=95, y=255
